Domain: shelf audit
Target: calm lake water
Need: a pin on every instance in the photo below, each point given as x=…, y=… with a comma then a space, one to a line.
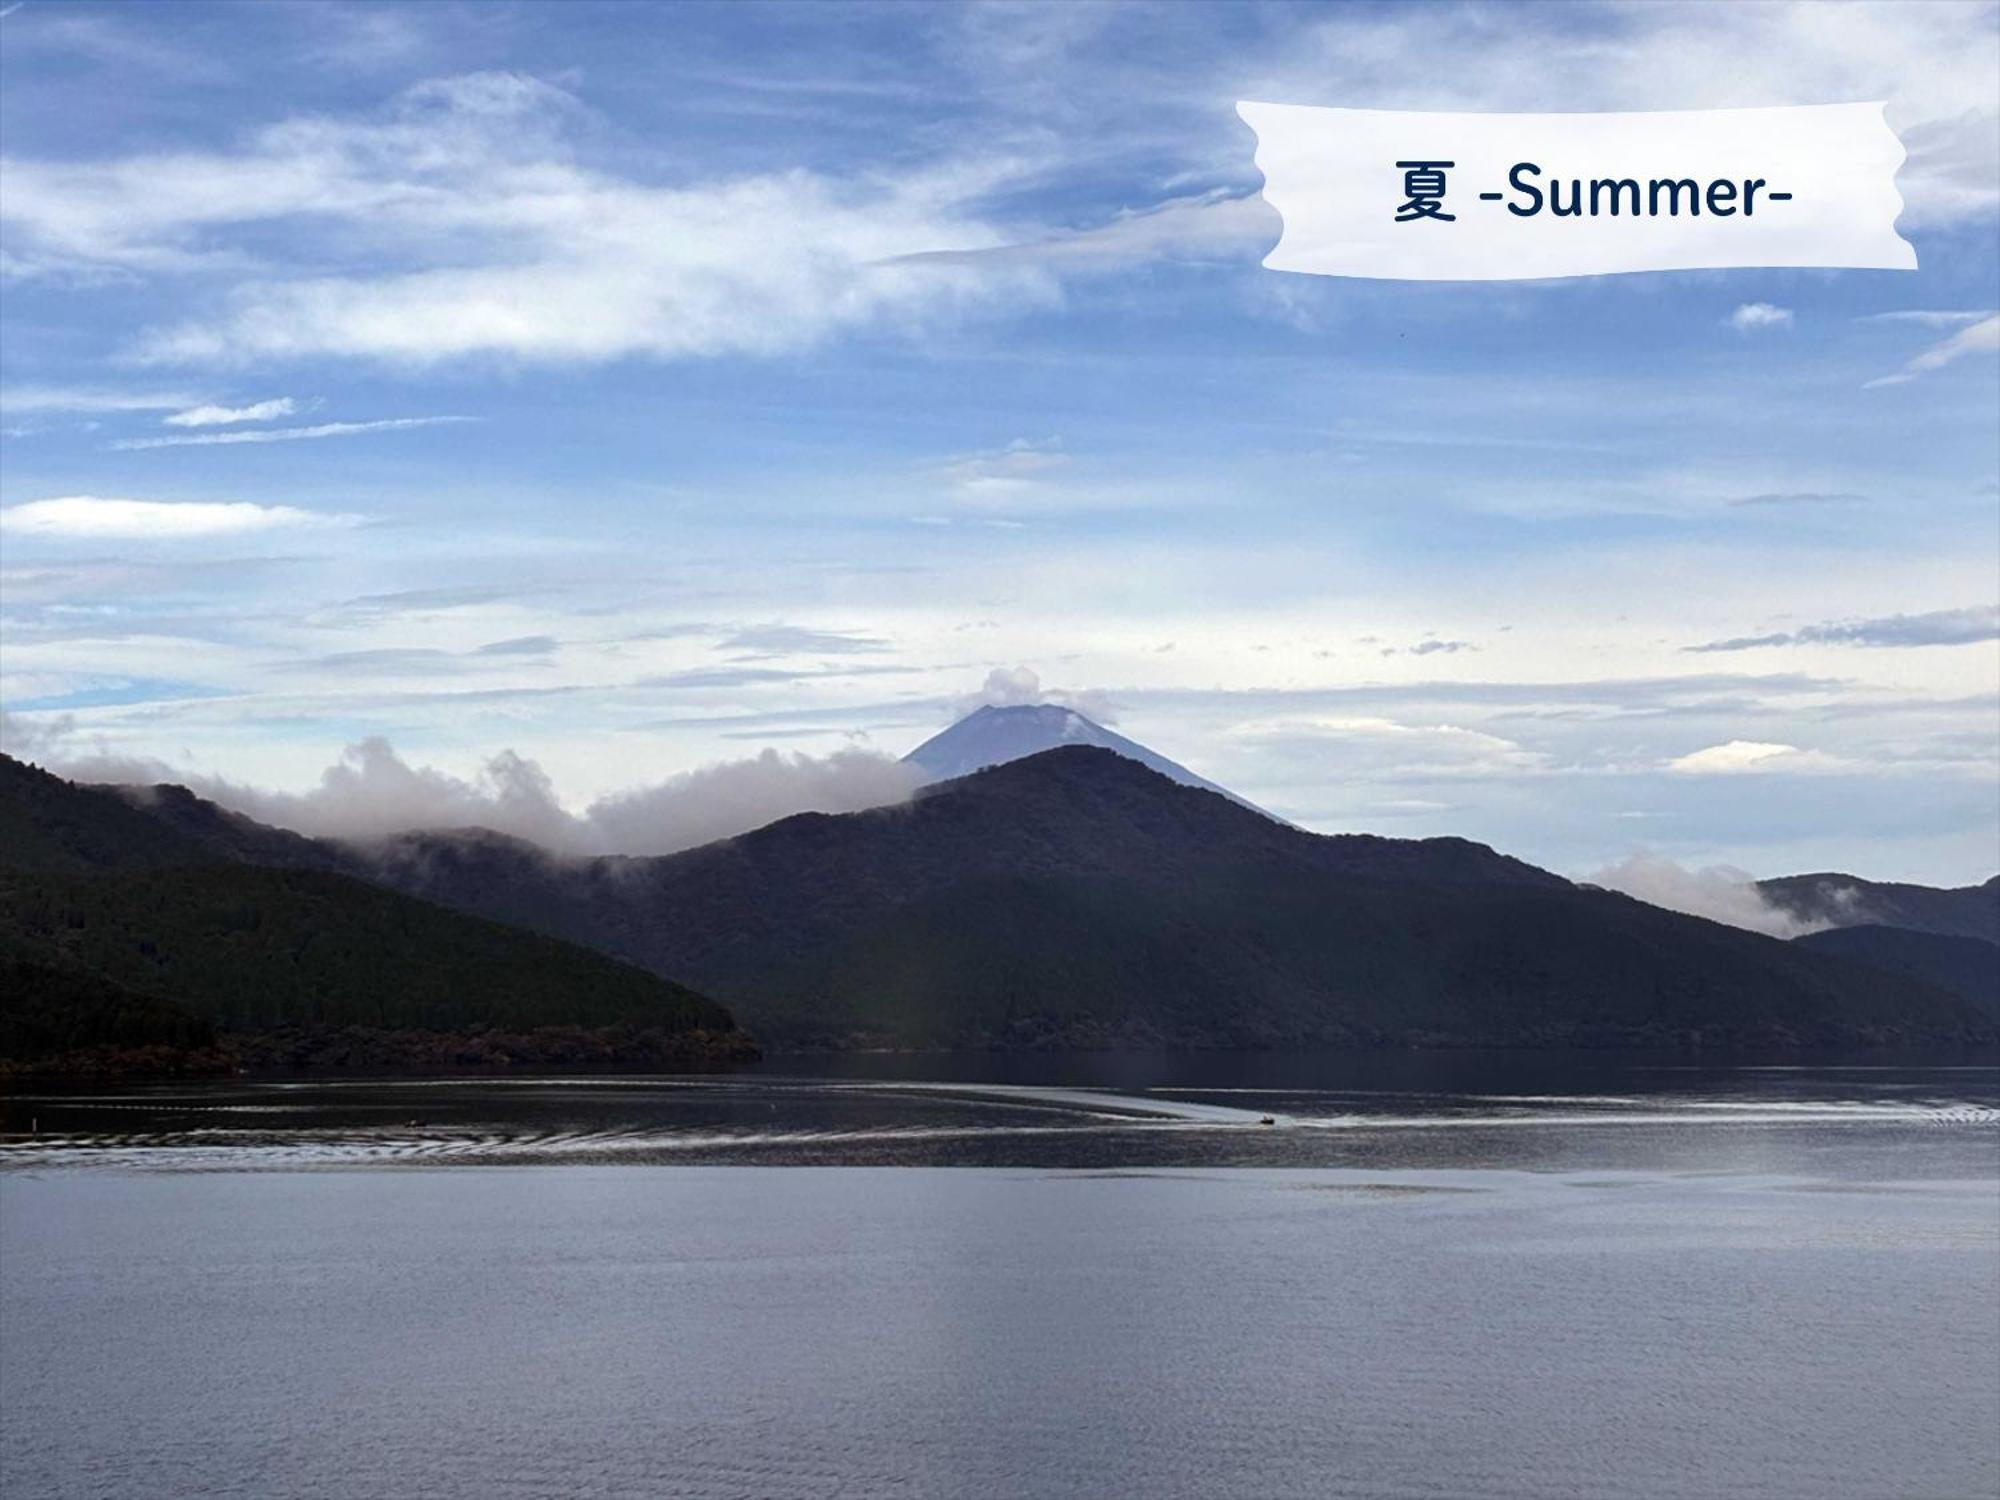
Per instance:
x=1429, y=1276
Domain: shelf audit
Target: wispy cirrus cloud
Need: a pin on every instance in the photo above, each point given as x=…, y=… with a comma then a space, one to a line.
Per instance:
x=528, y=650
x=1939, y=627
x=788, y=640
x=735, y=677
x=224, y=416
x=403, y=602
x=576, y=263
x=99, y=518
x=520, y=645
x=1982, y=337
x=1797, y=497
x=284, y=434
x=38, y=399
x=1429, y=646
x=1371, y=745
x=1930, y=317
x=1010, y=477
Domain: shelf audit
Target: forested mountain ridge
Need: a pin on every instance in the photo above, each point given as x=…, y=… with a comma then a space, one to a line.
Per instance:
x=1069, y=898
x=1077, y=898
x=109, y=910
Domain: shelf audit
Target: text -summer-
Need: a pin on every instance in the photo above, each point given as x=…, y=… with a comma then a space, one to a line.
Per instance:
x=1612, y=197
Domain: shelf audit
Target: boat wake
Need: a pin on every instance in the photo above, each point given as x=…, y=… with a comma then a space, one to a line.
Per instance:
x=818, y=1121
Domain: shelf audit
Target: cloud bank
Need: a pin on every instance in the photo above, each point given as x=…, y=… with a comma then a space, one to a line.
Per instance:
x=371, y=792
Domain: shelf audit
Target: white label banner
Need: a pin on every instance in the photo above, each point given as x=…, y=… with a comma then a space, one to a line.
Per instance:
x=1417, y=196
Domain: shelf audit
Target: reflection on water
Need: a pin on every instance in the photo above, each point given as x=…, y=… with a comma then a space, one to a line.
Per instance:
x=1085, y=1111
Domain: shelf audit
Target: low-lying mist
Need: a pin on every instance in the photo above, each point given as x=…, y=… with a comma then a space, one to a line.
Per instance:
x=372, y=792
x=1720, y=893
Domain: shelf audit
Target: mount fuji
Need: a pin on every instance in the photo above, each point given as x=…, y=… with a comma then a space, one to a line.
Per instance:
x=995, y=735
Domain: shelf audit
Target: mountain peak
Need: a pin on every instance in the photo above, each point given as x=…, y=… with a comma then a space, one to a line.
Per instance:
x=995, y=734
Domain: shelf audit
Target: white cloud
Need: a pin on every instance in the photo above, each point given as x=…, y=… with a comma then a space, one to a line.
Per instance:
x=599, y=271
x=17, y=400
x=372, y=792
x=285, y=434
x=1013, y=476
x=223, y=416
x=1754, y=315
x=1981, y=338
x=92, y=517
x=1011, y=687
x=1720, y=893
x=1738, y=757
x=572, y=263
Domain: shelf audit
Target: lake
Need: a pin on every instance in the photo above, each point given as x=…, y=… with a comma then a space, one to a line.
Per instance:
x=1430, y=1275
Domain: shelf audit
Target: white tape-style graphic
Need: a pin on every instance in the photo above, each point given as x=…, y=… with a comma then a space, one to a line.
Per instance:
x=1419, y=196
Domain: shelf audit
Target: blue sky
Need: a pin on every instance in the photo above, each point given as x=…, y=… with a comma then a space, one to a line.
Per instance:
x=634, y=388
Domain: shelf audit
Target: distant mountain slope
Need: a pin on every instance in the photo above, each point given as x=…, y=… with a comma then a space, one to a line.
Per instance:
x=994, y=735
x=1849, y=901
x=1965, y=966
x=794, y=884
x=103, y=897
x=1076, y=897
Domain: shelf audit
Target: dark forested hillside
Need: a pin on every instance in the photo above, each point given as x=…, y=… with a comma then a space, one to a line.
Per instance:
x=56, y=1010
x=1849, y=901
x=121, y=930
x=1966, y=966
